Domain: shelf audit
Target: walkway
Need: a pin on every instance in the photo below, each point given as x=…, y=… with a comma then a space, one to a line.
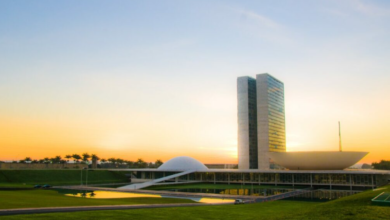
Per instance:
x=155, y=181
x=94, y=208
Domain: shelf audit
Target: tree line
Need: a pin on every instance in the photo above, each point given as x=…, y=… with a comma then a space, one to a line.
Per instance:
x=382, y=165
x=85, y=158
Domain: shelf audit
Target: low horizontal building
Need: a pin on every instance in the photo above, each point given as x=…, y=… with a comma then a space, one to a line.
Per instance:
x=185, y=170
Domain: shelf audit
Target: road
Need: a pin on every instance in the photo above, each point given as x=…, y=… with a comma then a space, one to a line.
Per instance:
x=96, y=208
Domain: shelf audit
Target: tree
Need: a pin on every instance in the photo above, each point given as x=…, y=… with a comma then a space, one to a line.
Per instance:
x=112, y=160
x=76, y=158
x=103, y=160
x=141, y=163
x=86, y=157
x=366, y=166
x=27, y=159
x=56, y=159
x=94, y=157
x=129, y=163
x=22, y=161
x=383, y=165
x=119, y=161
x=68, y=157
x=46, y=160
x=95, y=160
x=158, y=163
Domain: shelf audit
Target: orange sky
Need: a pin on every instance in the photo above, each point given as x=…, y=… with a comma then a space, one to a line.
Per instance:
x=131, y=79
x=205, y=129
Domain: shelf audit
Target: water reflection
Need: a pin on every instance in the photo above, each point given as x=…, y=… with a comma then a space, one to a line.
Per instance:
x=248, y=192
x=110, y=195
x=319, y=195
x=210, y=200
x=118, y=195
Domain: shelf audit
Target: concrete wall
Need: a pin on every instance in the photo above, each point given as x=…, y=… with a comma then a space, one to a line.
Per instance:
x=262, y=121
x=40, y=166
x=243, y=122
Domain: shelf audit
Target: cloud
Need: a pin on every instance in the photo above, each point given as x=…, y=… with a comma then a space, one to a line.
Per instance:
x=371, y=9
x=259, y=19
x=335, y=12
x=263, y=27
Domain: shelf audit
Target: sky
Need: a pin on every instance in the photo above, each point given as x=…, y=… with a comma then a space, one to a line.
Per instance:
x=157, y=79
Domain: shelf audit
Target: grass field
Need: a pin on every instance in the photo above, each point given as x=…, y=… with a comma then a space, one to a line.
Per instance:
x=217, y=186
x=58, y=177
x=15, y=185
x=51, y=198
x=354, y=207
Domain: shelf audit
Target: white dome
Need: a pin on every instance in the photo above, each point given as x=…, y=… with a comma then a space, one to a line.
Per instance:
x=182, y=163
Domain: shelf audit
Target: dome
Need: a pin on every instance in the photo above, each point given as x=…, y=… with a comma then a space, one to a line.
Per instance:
x=182, y=163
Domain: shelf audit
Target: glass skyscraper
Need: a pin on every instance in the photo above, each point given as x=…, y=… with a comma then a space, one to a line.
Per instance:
x=261, y=120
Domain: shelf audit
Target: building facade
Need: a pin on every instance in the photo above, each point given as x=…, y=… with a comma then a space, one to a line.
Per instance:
x=341, y=179
x=247, y=123
x=261, y=120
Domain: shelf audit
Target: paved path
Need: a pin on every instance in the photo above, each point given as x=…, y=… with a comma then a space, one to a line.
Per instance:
x=155, y=181
x=96, y=208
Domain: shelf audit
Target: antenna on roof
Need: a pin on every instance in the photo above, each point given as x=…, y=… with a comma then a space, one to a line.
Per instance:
x=340, y=147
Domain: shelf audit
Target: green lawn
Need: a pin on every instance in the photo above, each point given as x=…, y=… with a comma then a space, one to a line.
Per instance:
x=353, y=207
x=60, y=177
x=51, y=198
x=218, y=186
x=15, y=185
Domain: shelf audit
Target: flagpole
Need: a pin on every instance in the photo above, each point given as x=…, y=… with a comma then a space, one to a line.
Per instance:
x=340, y=147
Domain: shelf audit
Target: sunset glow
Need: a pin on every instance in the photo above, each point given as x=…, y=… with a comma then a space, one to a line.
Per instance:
x=156, y=88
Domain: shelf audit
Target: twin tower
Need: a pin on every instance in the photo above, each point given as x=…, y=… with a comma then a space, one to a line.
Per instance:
x=261, y=120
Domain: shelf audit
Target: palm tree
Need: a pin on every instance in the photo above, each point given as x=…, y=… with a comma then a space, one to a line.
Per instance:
x=76, y=157
x=56, y=159
x=86, y=156
x=46, y=160
x=94, y=157
x=112, y=160
x=103, y=160
x=68, y=157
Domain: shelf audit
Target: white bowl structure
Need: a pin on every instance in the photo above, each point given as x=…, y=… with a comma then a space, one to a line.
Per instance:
x=316, y=160
x=182, y=163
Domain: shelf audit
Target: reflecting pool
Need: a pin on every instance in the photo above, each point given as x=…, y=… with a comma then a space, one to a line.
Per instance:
x=247, y=192
x=110, y=195
x=118, y=195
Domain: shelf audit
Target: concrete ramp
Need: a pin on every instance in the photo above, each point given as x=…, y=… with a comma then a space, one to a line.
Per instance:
x=153, y=182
